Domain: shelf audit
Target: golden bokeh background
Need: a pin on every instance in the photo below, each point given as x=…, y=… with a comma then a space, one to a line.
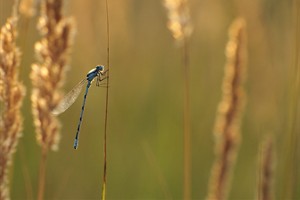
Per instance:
x=145, y=130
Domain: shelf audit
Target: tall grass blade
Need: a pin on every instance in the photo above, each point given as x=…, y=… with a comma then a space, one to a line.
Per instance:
x=106, y=109
x=291, y=173
x=180, y=26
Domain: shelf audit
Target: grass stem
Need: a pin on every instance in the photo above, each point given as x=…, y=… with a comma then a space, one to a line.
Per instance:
x=290, y=173
x=42, y=175
x=186, y=123
x=106, y=110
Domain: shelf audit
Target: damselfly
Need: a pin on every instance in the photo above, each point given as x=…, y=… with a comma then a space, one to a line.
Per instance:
x=70, y=98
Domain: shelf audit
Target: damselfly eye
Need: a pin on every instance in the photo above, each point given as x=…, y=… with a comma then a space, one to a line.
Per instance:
x=100, y=67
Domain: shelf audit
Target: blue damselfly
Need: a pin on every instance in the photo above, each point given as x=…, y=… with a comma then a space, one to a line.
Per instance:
x=70, y=98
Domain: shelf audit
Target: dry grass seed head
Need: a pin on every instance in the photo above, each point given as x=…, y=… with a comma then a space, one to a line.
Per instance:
x=48, y=73
x=266, y=168
x=179, y=19
x=229, y=112
x=11, y=96
x=27, y=8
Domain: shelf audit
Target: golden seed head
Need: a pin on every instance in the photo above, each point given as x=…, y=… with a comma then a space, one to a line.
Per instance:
x=47, y=75
x=11, y=96
x=179, y=19
x=227, y=125
x=27, y=8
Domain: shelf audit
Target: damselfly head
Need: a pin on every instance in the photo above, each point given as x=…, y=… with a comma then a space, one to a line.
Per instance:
x=100, y=68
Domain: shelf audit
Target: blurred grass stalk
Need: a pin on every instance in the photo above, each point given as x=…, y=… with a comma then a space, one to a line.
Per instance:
x=12, y=92
x=290, y=174
x=265, y=170
x=47, y=77
x=152, y=160
x=27, y=8
x=227, y=126
x=180, y=26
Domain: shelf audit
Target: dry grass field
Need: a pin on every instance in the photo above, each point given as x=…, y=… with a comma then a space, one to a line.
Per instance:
x=204, y=99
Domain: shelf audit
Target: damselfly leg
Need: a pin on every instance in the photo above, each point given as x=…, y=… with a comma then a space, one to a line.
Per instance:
x=101, y=77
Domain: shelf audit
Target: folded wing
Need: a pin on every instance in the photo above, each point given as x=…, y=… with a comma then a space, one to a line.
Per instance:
x=69, y=98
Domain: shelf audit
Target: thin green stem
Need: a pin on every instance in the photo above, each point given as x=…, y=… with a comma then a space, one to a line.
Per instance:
x=106, y=110
x=42, y=175
x=186, y=124
x=291, y=167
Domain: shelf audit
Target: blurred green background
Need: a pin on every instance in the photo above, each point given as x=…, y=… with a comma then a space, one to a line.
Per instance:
x=145, y=131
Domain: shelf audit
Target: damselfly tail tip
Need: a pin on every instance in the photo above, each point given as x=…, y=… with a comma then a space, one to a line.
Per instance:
x=76, y=144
